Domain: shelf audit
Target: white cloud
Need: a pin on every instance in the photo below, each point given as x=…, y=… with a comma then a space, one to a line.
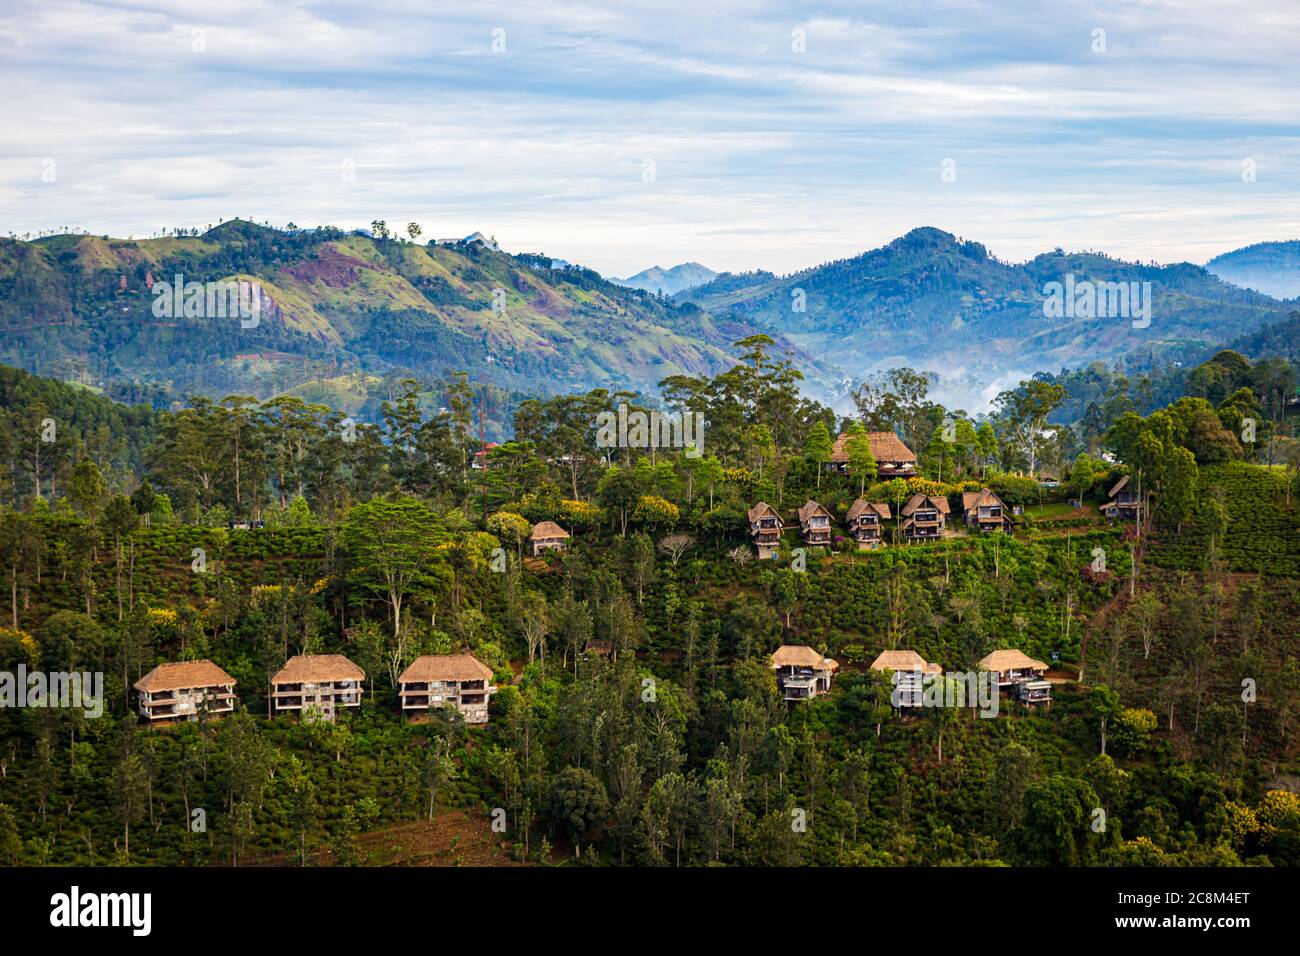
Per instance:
x=764, y=156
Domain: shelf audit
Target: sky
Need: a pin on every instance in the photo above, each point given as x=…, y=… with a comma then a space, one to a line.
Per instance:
x=622, y=135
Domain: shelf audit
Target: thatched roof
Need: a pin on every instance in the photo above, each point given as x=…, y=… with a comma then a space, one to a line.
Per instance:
x=1119, y=486
x=444, y=667
x=903, y=661
x=939, y=502
x=1010, y=659
x=759, y=510
x=316, y=669
x=863, y=505
x=809, y=509
x=547, y=529
x=181, y=675
x=885, y=447
x=800, y=655
x=984, y=498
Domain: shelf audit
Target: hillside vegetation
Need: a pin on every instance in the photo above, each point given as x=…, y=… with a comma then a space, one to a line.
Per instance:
x=638, y=719
x=81, y=307
x=938, y=303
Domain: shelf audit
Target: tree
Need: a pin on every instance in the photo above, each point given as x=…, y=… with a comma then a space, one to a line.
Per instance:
x=818, y=448
x=1176, y=486
x=640, y=552
x=1025, y=410
x=248, y=761
x=510, y=527
x=896, y=401
x=676, y=545
x=393, y=540
x=967, y=443
x=862, y=462
x=1057, y=817
x=573, y=625
x=71, y=641
x=437, y=769
x=85, y=488
x=130, y=785
x=576, y=803
x=652, y=511
x=987, y=445
x=413, y=229
x=788, y=591
x=120, y=520
x=1213, y=519
x=709, y=472
x=1105, y=706
x=535, y=619
x=1133, y=728
x=143, y=501
x=1083, y=474
x=667, y=814
x=189, y=456
x=940, y=451
x=11, y=842
x=21, y=547
x=721, y=805
x=1145, y=612
x=303, y=805
x=618, y=493
x=243, y=434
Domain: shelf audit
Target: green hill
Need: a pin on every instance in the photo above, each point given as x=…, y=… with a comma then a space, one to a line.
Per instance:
x=339, y=302
x=1269, y=267
x=936, y=302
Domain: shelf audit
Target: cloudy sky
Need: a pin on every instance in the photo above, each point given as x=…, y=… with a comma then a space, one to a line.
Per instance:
x=623, y=134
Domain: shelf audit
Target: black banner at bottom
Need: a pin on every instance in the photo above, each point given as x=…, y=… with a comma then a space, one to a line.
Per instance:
x=162, y=906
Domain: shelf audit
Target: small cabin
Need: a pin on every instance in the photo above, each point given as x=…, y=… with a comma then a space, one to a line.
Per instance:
x=983, y=510
x=1013, y=667
x=801, y=672
x=865, y=520
x=1125, y=503
x=908, y=669
x=316, y=686
x=765, y=529
x=459, y=681
x=185, y=690
x=924, y=517
x=815, y=524
x=893, y=458
x=547, y=536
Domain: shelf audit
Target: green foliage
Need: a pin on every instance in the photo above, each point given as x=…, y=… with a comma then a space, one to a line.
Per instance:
x=637, y=718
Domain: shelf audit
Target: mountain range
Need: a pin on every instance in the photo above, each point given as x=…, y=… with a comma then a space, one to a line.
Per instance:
x=933, y=301
x=337, y=303
x=345, y=304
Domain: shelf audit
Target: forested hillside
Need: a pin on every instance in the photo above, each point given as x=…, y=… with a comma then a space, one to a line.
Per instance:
x=938, y=303
x=638, y=719
x=1270, y=267
x=336, y=303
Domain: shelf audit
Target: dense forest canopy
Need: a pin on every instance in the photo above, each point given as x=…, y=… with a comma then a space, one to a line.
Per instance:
x=638, y=718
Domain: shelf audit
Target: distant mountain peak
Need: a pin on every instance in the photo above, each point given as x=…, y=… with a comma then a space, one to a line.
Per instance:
x=679, y=278
x=237, y=229
x=939, y=240
x=928, y=233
